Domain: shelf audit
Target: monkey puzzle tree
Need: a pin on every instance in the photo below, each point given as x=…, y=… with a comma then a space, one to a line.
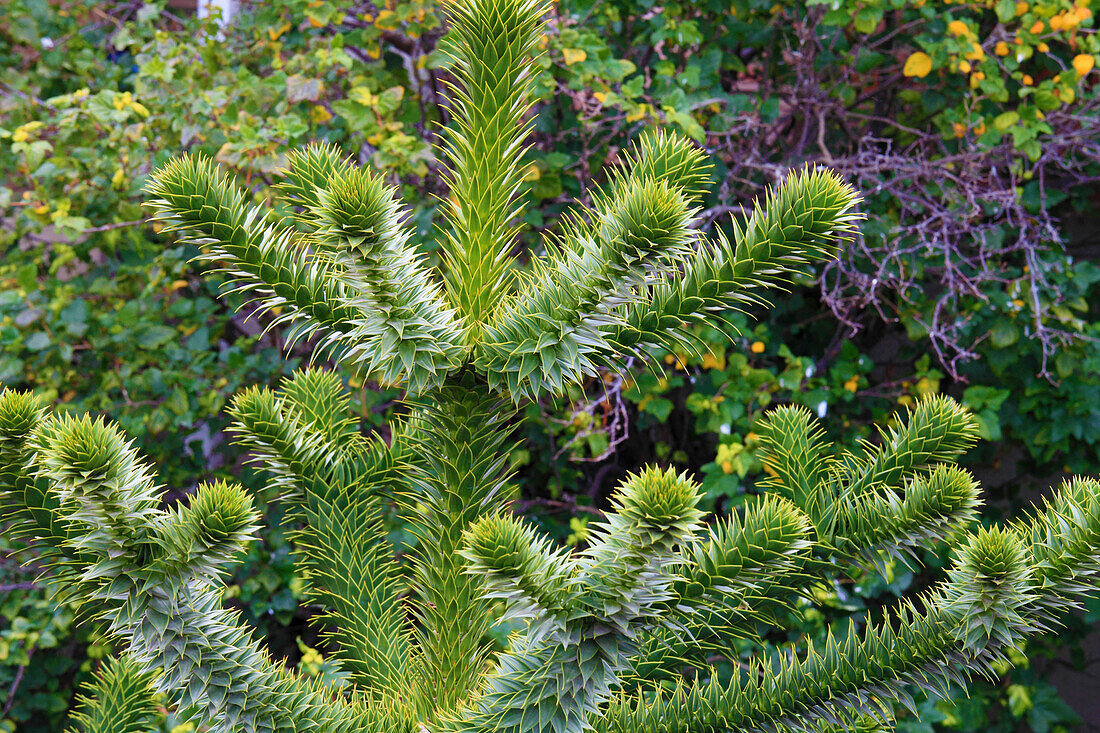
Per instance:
x=605, y=633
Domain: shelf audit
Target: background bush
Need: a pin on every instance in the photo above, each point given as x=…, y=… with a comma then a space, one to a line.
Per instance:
x=971, y=127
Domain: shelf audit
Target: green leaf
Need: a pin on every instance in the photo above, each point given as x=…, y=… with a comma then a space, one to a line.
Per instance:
x=302, y=89
x=1006, y=120
x=27, y=276
x=38, y=341
x=155, y=336
x=867, y=19
x=75, y=316
x=1004, y=334
x=1019, y=700
x=1006, y=10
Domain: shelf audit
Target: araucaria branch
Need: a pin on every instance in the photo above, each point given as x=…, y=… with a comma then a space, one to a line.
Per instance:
x=606, y=633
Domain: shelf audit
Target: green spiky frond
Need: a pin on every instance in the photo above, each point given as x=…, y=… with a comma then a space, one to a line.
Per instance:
x=554, y=330
x=799, y=222
x=154, y=578
x=584, y=613
x=896, y=496
x=307, y=174
x=335, y=484
x=963, y=630
x=461, y=441
x=662, y=156
x=354, y=284
x=119, y=699
x=490, y=47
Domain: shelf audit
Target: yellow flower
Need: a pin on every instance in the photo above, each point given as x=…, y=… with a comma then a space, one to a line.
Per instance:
x=977, y=53
x=918, y=64
x=1043, y=47
x=1001, y=49
x=713, y=361
x=1027, y=80
x=24, y=131
x=1021, y=8
x=1037, y=27
x=964, y=67
x=958, y=28
x=1056, y=23
x=757, y=347
x=959, y=129
x=573, y=55
x=980, y=129
x=852, y=384
x=1083, y=63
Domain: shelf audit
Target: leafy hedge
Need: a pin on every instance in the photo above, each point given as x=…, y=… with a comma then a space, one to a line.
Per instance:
x=971, y=126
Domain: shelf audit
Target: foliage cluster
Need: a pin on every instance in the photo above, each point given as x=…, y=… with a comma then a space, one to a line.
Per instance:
x=83, y=279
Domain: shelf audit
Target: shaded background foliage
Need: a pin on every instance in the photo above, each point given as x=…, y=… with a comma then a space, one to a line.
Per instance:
x=971, y=127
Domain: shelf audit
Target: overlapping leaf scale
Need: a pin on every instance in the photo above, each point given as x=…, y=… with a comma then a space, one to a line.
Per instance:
x=25, y=502
x=522, y=569
x=661, y=155
x=551, y=685
x=308, y=172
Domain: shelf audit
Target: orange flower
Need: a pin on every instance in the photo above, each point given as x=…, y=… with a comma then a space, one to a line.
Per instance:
x=1001, y=49
x=1083, y=63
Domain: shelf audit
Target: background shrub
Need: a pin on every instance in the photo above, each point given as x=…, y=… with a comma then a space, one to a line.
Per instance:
x=971, y=127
